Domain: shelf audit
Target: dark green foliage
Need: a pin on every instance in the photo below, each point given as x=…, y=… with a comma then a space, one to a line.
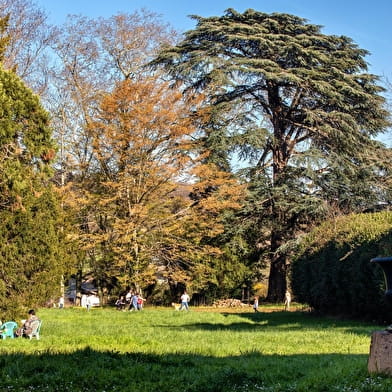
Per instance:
x=298, y=107
x=333, y=273
x=31, y=262
x=237, y=266
x=31, y=252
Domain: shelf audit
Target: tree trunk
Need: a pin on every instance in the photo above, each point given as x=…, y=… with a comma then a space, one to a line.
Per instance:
x=277, y=282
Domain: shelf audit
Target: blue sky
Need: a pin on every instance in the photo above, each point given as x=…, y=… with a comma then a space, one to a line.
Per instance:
x=368, y=23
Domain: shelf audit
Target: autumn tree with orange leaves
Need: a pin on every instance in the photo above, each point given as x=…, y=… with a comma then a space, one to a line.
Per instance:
x=150, y=201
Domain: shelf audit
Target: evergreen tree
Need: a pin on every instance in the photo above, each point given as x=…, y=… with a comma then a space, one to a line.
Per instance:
x=30, y=236
x=297, y=106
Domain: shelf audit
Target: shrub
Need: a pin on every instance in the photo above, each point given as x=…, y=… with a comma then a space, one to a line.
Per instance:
x=332, y=270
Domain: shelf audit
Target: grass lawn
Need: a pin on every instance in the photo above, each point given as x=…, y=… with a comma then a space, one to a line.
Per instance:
x=201, y=350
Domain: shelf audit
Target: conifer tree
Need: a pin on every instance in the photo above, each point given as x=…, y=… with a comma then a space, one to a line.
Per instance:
x=299, y=108
x=30, y=236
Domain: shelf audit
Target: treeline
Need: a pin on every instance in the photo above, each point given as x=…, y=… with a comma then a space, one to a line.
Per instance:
x=192, y=161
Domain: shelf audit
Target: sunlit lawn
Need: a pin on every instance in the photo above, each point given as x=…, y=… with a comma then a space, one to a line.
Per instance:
x=200, y=350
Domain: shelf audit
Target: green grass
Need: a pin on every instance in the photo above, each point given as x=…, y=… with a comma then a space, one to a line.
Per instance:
x=163, y=350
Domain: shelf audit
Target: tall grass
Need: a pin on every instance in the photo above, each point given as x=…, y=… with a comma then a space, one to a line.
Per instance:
x=163, y=350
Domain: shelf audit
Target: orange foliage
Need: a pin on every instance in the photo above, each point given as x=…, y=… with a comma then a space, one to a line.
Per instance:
x=155, y=200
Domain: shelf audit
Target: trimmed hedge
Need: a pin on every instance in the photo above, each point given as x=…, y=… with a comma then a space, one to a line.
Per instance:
x=332, y=271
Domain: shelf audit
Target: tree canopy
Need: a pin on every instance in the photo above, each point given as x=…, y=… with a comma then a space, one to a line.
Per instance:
x=140, y=217
x=296, y=105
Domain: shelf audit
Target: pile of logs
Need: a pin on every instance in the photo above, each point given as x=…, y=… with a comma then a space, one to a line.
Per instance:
x=228, y=303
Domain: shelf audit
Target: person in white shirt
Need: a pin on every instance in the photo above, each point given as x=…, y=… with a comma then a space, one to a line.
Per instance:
x=184, y=301
x=128, y=296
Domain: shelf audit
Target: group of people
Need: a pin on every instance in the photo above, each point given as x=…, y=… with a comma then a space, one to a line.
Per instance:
x=131, y=301
x=134, y=301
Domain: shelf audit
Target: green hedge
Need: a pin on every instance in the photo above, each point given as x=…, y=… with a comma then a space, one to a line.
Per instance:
x=332, y=270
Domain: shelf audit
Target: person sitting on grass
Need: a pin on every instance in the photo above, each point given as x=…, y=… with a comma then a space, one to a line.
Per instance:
x=27, y=327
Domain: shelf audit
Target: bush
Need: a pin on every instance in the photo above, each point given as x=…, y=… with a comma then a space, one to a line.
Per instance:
x=332, y=271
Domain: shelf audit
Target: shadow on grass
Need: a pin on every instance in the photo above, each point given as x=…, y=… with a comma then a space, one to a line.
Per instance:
x=89, y=370
x=286, y=321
